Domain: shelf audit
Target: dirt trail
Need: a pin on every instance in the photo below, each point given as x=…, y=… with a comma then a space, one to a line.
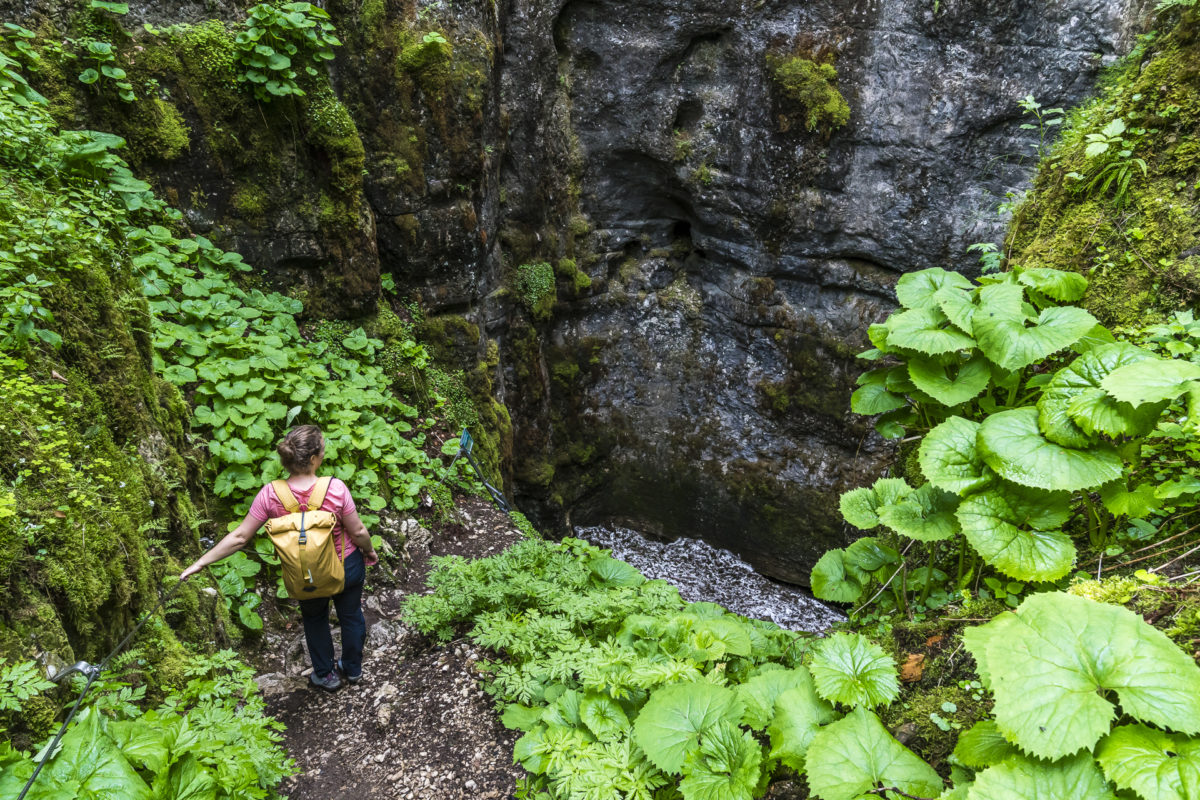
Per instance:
x=418, y=726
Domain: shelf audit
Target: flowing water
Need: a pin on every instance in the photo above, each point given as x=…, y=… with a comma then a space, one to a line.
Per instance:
x=704, y=572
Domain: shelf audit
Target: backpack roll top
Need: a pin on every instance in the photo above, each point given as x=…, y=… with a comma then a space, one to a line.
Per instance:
x=304, y=541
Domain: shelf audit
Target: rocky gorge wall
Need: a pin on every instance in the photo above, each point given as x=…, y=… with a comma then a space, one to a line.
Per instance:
x=644, y=261
x=736, y=254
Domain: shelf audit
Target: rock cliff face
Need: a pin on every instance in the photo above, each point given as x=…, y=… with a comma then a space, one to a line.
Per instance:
x=719, y=239
x=700, y=385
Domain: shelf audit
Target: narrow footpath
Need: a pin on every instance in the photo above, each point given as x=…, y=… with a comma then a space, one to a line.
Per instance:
x=418, y=727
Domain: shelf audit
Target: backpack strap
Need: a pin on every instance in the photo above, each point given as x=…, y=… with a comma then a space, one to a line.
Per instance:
x=318, y=493
x=284, y=493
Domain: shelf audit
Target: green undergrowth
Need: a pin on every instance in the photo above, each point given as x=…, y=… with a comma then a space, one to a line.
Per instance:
x=624, y=691
x=1116, y=197
x=207, y=737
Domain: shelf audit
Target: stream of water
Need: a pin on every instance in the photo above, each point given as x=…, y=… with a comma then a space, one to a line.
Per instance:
x=704, y=572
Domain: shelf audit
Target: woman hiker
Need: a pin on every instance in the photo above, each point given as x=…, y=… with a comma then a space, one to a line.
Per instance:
x=301, y=452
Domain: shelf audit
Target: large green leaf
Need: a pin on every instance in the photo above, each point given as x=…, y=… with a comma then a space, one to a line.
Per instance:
x=1016, y=531
x=834, y=580
x=958, y=305
x=950, y=384
x=926, y=515
x=1005, y=339
x=1151, y=381
x=669, y=726
x=870, y=553
x=614, y=572
x=603, y=716
x=1073, y=406
x=860, y=506
x=187, y=780
x=1052, y=663
x=90, y=760
x=858, y=754
x=728, y=766
x=925, y=330
x=917, y=289
x=1065, y=287
x=982, y=746
x=1020, y=778
x=799, y=713
x=847, y=668
x=873, y=396
x=1156, y=765
x=950, y=460
x=142, y=742
x=1012, y=445
x=759, y=693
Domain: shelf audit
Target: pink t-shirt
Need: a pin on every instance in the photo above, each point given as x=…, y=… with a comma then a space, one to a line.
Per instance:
x=338, y=500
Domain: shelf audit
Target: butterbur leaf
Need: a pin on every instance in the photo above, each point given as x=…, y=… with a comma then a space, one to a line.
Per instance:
x=1124, y=502
x=849, y=669
x=799, y=713
x=1017, y=531
x=669, y=726
x=90, y=760
x=614, y=572
x=926, y=515
x=858, y=754
x=958, y=305
x=727, y=766
x=603, y=716
x=834, y=580
x=1021, y=778
x=760, y=693
x=188, y=780
x=873, y=396
x=1012, y=444
x=925, y=331
x=982, y=746
x=1073, y=407
x=952, y=384
x=142, y=743
x=521, y=718
x=949, y=459
x=860, y=506
x=1000, y=327
x=721, y=638
x=1051, y=664
x=1156, y=765
x=917, y=289
x=1151, y=381
x=869, y=554
x=1057, y=284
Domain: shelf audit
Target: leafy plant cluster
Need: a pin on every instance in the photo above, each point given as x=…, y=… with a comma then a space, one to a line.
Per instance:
x=1018, y=450
x=624, y=691
x=208, y=740
x=238, y=354
x=1110, y=164
x=277, y=41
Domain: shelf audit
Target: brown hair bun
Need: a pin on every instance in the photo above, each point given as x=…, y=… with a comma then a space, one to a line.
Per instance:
x=298, y=447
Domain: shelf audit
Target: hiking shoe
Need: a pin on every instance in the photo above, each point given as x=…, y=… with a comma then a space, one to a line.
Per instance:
x=330, y=683
x=350, y=679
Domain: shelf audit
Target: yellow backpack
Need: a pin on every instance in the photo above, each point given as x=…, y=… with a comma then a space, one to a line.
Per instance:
x=312, y=565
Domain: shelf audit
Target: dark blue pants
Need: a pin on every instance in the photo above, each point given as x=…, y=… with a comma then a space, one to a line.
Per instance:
x=349, y=610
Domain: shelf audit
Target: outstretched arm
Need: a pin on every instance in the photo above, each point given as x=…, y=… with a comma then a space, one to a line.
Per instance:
x=232, y=542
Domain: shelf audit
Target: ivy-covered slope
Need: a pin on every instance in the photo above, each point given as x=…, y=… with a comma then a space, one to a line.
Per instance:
x=1117, y=197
